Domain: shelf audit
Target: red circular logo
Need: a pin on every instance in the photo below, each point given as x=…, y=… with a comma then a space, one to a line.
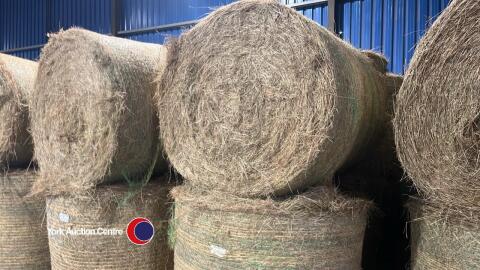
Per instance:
x=140, y=231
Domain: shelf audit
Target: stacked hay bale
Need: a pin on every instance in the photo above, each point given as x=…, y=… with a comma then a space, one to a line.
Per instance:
x=315, y=230
x=17, y=77
x=22, y=232
x=94, y=123
x=256, y=104
x=109, y=211
x=437, y=136
x=93, y=118
x=290, y=105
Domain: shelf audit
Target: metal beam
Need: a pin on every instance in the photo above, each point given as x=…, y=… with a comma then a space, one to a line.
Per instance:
x=331, y=16
x=113, y=18
x=308, y=4
x=157, y=28
x=23, y=48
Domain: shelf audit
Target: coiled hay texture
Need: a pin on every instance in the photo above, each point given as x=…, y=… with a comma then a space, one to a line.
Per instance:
x=111, y=207
x=17, y=77
x=316, y=230
x=257, y=99
x=441, y=241
x=437, y=122
x=93, y=118
x=23, y=232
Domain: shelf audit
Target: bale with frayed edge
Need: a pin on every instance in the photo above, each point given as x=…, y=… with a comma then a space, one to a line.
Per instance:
x=315, y=230
x=93, y=118
x=17, y=77
x=257, y=99
x=437, y=118
x=110, y=208
x=23, y=232
x=441, y=241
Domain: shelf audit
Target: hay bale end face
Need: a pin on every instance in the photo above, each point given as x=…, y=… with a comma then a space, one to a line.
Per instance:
x=259, y=100
x=23, y=232
x=437, y=123
x=17, y=77
x=443, y=242
x=111, y=207
x=315, y=230
x=93, y=118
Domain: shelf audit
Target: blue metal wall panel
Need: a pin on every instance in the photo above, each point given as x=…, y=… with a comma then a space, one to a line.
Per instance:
x=94, y=15
x=136, y=14
x=317, y=13
x=23, y=23
x=389, y=26
x=392, y=27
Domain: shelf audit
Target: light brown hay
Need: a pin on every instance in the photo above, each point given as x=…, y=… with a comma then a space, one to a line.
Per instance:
x=23, y=232
x=316, y=230
x=16, y=83
x=437, y=111
x=109, y=208
x=93, y=118
x=257, y=99
x=441, y=241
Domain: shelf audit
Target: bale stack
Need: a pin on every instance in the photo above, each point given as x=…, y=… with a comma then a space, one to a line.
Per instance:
x=23, y=233
x=256, y=105
x=437, y=136
x=93, y=118
x=95, y=129
x=110, y=208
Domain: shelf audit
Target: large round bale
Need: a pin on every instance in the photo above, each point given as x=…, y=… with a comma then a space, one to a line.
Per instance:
x=257, y=99
x=315, y=230
x=17, y=77
x=441, y=241
x=23, y=232
x=437, y=118
x=90, y=232
x=93, y=118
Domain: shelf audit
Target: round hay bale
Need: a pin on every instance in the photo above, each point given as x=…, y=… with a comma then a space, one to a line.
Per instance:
x=93, y=118
x=441, y=241
x=437, y=122
x=257, y=99
x=110, y=208
x=23, y=232
x=316, y=230
x=17, y=77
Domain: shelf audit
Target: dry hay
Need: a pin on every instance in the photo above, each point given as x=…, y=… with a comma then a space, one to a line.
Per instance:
x=23, y=232
x=93, y=118
x=257, y=99
x=315, y=230
x=17, y=77
x=442, y=241
x=437, y=118
x=111, y=207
